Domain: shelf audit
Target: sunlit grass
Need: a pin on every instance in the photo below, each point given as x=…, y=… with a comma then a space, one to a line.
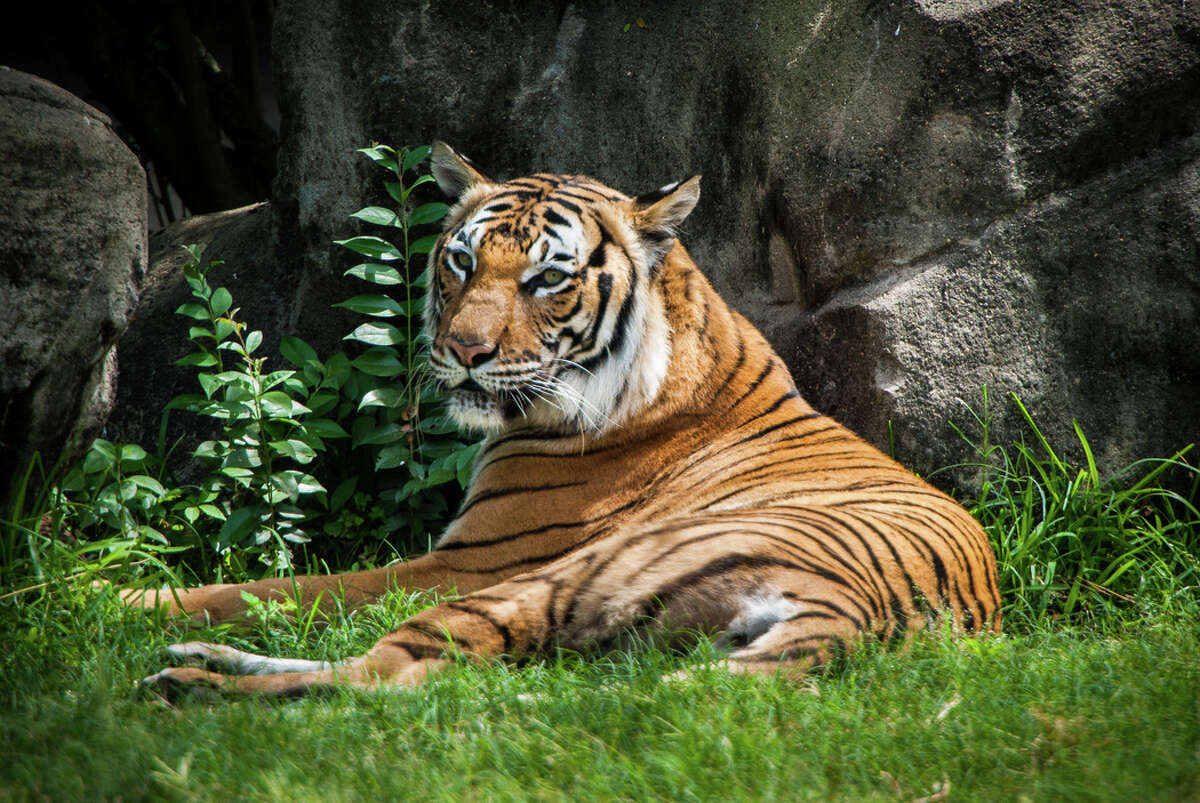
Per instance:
x=1092, y=692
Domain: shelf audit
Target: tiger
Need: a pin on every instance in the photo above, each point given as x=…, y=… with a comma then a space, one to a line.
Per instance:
x=647, y=466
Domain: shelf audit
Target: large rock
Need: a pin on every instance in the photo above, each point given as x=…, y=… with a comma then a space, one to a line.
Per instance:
x=913, y=199
x=73, y=217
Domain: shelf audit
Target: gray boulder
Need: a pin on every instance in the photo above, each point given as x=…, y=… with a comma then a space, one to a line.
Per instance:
x=73, y=216
x=914, y=200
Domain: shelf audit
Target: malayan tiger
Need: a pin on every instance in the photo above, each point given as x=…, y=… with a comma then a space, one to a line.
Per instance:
x=648, y=463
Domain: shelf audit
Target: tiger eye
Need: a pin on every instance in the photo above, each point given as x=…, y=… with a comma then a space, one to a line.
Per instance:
x=553, y=276
x=462, y=261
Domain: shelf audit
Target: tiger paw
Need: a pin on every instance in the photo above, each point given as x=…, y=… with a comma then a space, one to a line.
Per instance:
x=177, y=682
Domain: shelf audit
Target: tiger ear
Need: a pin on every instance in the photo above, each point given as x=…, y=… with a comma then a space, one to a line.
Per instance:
x=656, y=215
x=454, y=173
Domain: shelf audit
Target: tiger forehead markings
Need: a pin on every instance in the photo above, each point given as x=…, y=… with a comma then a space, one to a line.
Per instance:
x=648, y=464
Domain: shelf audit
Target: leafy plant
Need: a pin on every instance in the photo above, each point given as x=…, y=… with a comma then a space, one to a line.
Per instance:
x=371, y=427
x=111, y=486
x=257, y=486
x=1071, y=543
x=401, y=415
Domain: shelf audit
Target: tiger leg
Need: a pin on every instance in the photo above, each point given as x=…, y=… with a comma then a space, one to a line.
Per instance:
x=504, y=619
x=359, y=673
x=223, y=601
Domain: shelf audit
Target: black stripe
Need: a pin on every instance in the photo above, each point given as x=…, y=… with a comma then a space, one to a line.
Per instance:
x=620, y=331
x=604, y=288
x=488, y=496
x=561, y=525
x=565, y=204
x=417, y=651
x=533, y=184
x=780, y=425
x=518, y=194
x=560, y=193
x=729, y=563
x=596, y=258
x=754, y=385
x=505, y=634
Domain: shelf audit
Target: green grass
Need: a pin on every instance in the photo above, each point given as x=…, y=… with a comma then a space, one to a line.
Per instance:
x=1091, y=693
x=1068, y=714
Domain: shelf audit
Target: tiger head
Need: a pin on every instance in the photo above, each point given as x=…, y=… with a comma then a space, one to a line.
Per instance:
x=543, y=308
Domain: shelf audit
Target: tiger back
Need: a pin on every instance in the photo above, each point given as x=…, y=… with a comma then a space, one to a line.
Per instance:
x=648, y=463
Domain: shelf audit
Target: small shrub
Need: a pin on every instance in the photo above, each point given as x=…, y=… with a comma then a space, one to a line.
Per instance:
x=400, y=413
x=370, y=427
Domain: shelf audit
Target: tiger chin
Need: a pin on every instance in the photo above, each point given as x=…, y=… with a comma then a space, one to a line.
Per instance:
x=647, y=460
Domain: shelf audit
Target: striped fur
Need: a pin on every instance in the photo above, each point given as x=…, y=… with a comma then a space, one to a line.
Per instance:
x=648, y=463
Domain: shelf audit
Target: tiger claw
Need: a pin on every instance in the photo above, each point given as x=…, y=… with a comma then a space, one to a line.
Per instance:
x=175, y=681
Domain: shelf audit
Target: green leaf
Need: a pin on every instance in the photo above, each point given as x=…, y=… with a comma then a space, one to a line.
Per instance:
x=376, y=274
x=415, y=156
x=372, y=247
x=213, y=450
x=380, y=155
x=391, y=457
x=417, y=182
x=195, y=332
x=342, y=493
x=466, y=463
x=224, y=328
x=301, y=451
x=322, y=402
x=253, y=341
x=379, y=362
x=127, y=490
x=102, y=456
x=382, y=397
x=148, y=483
x=375, y=304
x=427, y=213
x=221, y=301
x=296, y=351
x=193, y=311
x=325, y=428
x=396, y=190
x=337, y=368
x=380, y=216
x=146, y=531
x=132, y=455
x=278, y=404
x=377, y=334
x=275, y=377
x=200, y=359
x=423, y=245
x=237, y=526
x=438, y=425
x=387, y=433
x=298, y=450
x=303, y=483
x=212, y=511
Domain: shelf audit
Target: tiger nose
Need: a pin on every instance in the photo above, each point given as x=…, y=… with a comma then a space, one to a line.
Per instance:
x=471, y=354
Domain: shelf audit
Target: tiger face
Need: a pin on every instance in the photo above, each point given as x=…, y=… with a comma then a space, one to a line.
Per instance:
x=542, y=308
